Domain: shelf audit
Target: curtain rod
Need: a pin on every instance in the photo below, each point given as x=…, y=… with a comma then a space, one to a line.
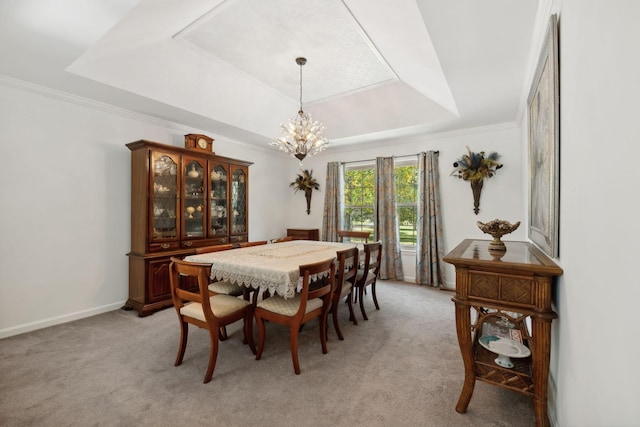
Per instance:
x=395, y=157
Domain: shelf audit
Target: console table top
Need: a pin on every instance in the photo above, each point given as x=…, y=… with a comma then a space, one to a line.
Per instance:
x=519, y=256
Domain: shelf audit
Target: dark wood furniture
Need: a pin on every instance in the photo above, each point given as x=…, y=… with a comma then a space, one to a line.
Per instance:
x=181, y=199
x=516, y=285
x=350, y=234
x=313, y=301
x=368, y=275
x=304, y=233
x=347, y=268
x=212, y=312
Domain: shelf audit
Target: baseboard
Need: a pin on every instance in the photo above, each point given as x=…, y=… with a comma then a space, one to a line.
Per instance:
x=551, y=402
x=40, y=324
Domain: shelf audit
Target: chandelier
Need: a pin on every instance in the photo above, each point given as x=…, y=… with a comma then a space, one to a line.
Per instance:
x=302, y=136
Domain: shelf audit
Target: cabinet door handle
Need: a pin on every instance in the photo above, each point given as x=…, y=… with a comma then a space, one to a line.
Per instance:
x=188, y=243
x=165, y=246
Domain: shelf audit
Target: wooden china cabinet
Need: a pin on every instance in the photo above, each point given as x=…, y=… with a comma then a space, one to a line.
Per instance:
x=181, y=199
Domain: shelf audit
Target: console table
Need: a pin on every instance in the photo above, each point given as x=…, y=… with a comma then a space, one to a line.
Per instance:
x=514, y=286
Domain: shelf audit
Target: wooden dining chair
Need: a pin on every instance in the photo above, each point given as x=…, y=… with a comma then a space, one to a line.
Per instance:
x=350, y=234
x=227, y=287
x=256, y=243
x=313, y=301
x=368, y=275
x=215, y=248
x=206, y=310
x=222, y=286
x=346, y=275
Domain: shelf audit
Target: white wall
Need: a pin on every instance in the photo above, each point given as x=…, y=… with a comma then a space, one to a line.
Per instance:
x=595, y=349
x=501, y=195
x=65, y=209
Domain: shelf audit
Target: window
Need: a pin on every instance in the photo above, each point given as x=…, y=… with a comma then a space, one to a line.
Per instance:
x=407, y=202
x=359, y=199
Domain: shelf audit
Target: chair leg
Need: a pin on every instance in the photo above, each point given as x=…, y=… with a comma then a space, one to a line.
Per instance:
x=261, y=337
x=293, y=343
x=373, y=294
x=184, y=334
x=323, y=331
x=352, y=316
x=213, y=355
x=223, y=333
x=364, y=313
x=334, y=315
x=248, y=330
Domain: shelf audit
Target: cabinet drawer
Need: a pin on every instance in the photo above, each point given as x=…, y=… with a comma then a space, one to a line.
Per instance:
x=238, y=239
x=502, y=287
x=166, y=246
x=211, y=242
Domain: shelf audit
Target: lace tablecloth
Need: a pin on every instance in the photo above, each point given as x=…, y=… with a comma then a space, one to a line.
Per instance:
x=273, y=267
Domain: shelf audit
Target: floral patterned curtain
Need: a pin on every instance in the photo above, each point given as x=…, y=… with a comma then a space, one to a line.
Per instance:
x=430, y=243
x=386, y=220
x=332, y=215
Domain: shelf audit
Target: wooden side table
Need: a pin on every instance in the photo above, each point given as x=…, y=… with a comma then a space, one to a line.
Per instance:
x=304, y=233
x=514, y=285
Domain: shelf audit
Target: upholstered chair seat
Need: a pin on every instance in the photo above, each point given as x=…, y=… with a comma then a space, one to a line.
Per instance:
x=221, y=305
x=226, y=287
x=289, y=306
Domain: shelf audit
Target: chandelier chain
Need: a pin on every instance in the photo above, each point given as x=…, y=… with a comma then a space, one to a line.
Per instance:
x=301, y=87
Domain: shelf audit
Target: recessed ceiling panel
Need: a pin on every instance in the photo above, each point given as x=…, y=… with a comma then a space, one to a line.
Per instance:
x=263, y=38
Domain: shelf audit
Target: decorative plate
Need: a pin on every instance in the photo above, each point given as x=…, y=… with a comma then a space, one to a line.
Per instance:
x=504, y=346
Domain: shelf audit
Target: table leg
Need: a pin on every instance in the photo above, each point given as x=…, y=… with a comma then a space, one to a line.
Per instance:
x=541, y=333
x=463, y=328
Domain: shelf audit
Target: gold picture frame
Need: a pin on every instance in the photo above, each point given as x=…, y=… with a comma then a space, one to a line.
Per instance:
x=544, y=146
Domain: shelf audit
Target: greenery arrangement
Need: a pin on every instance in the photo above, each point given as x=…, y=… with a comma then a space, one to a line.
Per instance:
x=476, y=166
x=307, y=183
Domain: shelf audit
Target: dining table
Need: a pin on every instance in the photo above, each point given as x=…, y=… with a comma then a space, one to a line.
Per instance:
x=271, y=267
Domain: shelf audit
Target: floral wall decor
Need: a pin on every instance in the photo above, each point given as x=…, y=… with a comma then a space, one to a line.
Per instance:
x=307, y=183
x=475, y=168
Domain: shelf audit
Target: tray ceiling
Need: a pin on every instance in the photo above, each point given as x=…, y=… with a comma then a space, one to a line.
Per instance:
x=375, y=70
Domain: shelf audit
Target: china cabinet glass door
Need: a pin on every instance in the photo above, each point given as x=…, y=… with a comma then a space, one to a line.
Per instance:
x=238, y=200
x=164, y=197
x=218, y=195
x=193, y=205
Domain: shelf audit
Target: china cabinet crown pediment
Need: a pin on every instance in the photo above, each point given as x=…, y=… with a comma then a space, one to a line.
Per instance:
x=181, y=199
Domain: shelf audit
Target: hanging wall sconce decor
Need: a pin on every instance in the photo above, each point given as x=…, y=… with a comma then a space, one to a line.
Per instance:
x=475, y=167
x=307, y=183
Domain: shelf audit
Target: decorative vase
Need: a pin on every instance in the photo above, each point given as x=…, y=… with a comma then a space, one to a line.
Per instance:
x=190, y=211
x=497, y=228
x=193, y=173
x=476, y=187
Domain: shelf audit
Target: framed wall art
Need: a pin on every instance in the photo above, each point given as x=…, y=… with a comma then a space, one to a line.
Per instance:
x=544, y=146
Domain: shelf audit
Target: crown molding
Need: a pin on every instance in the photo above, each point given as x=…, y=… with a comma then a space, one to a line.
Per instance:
x=87, y=102
x=63, y=96
x=425, y=137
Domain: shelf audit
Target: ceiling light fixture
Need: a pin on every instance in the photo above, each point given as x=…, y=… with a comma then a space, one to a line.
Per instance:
x=302, y=136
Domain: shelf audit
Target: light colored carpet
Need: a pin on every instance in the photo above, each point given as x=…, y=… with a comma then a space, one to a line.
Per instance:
x=400, y=368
